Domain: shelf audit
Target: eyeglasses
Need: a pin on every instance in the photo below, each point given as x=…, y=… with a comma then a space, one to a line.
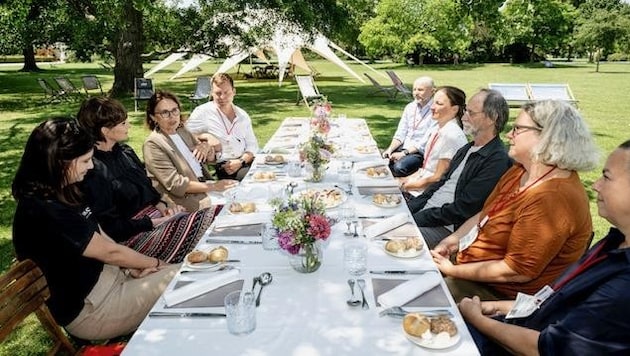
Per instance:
x=518, y=129
x=472, y=113
x=167, y=114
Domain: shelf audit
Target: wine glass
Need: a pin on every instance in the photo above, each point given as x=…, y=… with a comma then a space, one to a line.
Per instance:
x=347, y=214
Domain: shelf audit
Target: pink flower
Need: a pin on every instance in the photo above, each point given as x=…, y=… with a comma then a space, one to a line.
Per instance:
x=318, y=227
x=285, y=240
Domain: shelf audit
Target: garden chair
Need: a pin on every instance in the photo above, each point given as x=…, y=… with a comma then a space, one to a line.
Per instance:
x=91, y=82
x=398, y=84
x=142, y=90
x=552, y=91
x=515, y=94
x=107, y=66
x=68, y=87
x=203, y=89
x=24, y=290
x=307, y=90
x=378, y=88
x=51, y=94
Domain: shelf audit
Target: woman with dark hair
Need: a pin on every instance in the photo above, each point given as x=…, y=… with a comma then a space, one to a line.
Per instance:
x=444, y=140
x=121, y=196
x=175, y=158
x=98, y=289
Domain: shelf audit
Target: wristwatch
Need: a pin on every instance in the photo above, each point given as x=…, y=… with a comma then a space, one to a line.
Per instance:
x=405, y=151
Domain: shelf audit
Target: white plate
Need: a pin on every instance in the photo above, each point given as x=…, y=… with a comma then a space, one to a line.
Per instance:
x=328, y=203
x=434, y=343
x=263, y=180
x=202, y=265
x=241, y=212
x=386, y=175
x=388, y=205
x=364, y=150
x=412, y=253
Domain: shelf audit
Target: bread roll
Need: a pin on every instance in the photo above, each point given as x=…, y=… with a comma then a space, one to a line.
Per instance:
x=443, y=324
x=413, y=243
x=416, y=324
x=395, y=246
x=236, y=208
x=197, y=256
x=218, y=254
x=249, y=207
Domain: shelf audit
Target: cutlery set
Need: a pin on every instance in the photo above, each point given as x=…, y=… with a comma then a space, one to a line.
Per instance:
x=355, y=302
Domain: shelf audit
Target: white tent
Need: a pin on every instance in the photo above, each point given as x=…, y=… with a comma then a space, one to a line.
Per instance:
x=165, y=63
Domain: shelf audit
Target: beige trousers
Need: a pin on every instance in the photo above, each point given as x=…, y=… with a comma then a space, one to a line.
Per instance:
x=461, y=288
x=118, y=303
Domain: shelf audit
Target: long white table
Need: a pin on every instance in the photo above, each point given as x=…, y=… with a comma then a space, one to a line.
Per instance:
x=303, y=314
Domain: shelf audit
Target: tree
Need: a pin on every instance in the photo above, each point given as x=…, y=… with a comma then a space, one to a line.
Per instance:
x=599, y=31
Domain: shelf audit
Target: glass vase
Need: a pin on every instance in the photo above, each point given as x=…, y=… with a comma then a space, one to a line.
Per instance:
x=316, y=173
x=308, y=259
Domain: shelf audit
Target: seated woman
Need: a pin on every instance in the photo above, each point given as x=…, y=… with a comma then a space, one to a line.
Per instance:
x=98, y=289
x=121, y=196
x=536, y=221
x=587, y=314
x=174, y=157
x=444, y=140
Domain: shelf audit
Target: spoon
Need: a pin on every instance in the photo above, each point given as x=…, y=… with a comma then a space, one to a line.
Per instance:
x=364, y=303
x=355, y=229
x=291, y=187
x=255, y=281
x=352, y=301
x=264, y=279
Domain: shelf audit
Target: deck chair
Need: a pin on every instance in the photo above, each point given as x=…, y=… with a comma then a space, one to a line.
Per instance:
x=515, y=94
x=203, y=89
x=552, y=91
x=142, y=90
x=399, y=85
x=68, y=87
x=24, y=290
x=51, y=94
x=378, y=88
x=90, y=82
x=307, y=90
x=107, y=66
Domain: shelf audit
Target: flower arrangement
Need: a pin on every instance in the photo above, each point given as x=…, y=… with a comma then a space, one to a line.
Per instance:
x=317, y=153
x=301, y=223
x=320, y=121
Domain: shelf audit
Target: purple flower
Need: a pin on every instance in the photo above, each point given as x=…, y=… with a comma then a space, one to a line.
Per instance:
x=286, y=240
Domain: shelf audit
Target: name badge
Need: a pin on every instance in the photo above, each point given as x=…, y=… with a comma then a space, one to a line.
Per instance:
x=469, y=238
x=525, y=304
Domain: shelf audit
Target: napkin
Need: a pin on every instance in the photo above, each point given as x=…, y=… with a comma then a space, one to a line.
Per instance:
x=376, y=183
x=383, y=226
x=228, y=220
x=211, y=299
x=197, y=288
x=409, y=290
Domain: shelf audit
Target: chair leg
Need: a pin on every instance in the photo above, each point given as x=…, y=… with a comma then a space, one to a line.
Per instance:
x=47, y=321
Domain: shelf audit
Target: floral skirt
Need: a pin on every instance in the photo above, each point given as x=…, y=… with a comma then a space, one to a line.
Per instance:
x=172, y=240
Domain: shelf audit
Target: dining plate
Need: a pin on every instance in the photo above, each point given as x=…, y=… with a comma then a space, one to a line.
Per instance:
x=411, y=253
x=331, y=197
x=387, y=200
x=365, y=149
x=244, y=209
x=263, y=179
x=376, y=172
x=436, y=342
x=207, y=265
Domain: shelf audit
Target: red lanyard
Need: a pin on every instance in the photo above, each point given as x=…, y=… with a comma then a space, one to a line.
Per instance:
x=508, y=198
x=430, y=148
x=416, y=124
x=227, y=131
x=591, y=260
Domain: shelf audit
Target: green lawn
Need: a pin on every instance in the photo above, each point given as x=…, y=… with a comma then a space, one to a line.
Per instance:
x=603, y=99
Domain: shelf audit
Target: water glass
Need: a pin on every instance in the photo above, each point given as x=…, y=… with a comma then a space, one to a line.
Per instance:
x=240, y=312
x=346, y=215
x=294, y=169
x=344, y=172
x=355, y=257
x=269, y=237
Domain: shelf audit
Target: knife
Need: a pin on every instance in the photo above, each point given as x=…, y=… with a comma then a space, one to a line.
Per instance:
x=375, y=217
x=185, y=315
x=218, y=241
x=413, y=271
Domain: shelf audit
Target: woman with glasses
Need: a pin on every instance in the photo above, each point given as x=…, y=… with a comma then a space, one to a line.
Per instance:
x=444, y=139
x=98, y=289
x=126, y=205
x=175, y=159
x=536, y=221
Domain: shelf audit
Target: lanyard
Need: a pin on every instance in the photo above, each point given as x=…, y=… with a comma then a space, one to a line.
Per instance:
x=430, y=148
x=227, y=131
x=508, y=198
x=416, y=124
x=591, y=260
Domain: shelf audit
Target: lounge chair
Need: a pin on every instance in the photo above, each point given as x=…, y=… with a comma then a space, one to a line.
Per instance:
x=552, y=91
x=68, y=88
x=307, y=90
x=143, y=90
x=378, y=88
x=398, y=84
x=91, y=82
x=203, y=89
x=51, y=94
x=516, y=94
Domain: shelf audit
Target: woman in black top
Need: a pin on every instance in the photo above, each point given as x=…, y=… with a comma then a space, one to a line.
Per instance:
x=99, y=289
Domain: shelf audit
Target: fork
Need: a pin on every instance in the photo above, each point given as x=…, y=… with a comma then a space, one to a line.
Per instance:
x=398, y=312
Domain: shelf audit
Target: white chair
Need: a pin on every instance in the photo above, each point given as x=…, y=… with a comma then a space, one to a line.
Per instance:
x=515, y=94
x=552, y=91
x=307, y=90
x=203, y=89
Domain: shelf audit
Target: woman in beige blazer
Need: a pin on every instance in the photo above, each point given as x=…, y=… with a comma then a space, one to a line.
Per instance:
x=175, y=160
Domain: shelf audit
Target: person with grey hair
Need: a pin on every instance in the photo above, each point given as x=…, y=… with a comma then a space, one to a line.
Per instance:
x=537, y=221
x=472, y=174
x=406, y=151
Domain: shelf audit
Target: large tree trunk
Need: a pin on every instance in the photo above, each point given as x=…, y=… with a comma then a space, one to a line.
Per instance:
x=29, y=53
x=128, y=63
x=29, y=59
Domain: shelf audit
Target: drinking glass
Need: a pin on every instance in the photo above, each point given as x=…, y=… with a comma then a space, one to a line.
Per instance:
x=344, y=172
x=355, y=257
x=240, y=312
x=269, y=237
x=294, y=169
x=346, y=215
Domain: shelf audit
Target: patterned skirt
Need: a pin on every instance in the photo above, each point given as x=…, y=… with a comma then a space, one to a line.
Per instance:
x=172, y=240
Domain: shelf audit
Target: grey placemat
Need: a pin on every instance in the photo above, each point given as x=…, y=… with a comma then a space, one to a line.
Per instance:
x=407, y=230
x=434, y=298
x=213, y=298
x=378, y=190
x=243, y=230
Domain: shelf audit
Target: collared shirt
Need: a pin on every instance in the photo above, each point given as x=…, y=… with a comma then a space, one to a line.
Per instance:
x=236, y=137
x=414, y=126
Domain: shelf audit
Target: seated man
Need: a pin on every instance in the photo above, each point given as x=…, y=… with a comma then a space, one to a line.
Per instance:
x=230, y=124
x=472, y=174
x=406, y=151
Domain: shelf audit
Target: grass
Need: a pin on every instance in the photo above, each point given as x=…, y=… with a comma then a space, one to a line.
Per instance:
x=602, y=100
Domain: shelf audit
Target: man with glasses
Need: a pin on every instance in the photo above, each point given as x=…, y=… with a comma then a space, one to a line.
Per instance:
x=406, y=151
x=228, y=123
x=472, y=174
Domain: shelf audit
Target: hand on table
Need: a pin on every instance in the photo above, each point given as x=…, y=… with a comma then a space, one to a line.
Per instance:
x=442, y=262
x=223, y=184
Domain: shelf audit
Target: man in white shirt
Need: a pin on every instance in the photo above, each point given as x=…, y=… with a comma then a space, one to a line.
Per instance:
x=230, y=125
x=406, y=151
